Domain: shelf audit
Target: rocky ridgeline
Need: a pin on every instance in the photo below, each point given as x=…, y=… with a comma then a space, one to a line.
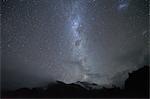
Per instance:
x=137, y=85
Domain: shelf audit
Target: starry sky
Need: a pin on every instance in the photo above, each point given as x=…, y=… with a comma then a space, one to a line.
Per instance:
x=96, y=41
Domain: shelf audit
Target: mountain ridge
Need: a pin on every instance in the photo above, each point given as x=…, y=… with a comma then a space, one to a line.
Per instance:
x=137, y=85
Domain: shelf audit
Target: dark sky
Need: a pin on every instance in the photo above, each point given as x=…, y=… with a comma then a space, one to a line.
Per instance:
x=97, y=41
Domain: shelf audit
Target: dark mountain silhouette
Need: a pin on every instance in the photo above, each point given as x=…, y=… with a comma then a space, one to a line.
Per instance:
x=137, y=85
x=138, y=82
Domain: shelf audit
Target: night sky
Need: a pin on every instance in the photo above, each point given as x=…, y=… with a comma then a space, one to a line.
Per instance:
x=96, y=41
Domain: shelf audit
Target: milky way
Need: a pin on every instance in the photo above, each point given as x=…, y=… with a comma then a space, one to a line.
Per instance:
x=96, y=41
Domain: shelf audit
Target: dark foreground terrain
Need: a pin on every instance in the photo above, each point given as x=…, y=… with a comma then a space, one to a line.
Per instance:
x=137, y=85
